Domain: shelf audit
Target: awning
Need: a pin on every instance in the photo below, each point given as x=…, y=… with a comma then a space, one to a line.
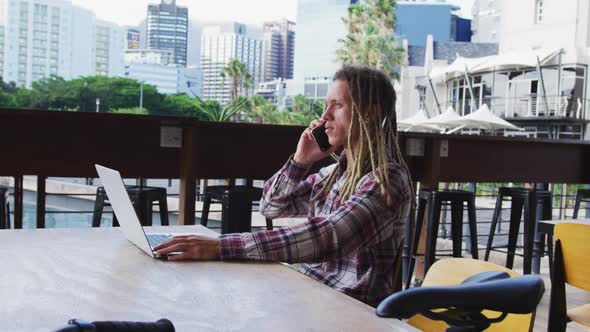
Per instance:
x=457, y=68
x=508, y=60
x=516, y=59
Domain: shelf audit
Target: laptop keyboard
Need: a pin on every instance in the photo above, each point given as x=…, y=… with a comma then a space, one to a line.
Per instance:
x=155, y=239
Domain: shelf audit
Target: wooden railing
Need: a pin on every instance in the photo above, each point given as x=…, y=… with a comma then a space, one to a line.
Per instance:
x=68, y=144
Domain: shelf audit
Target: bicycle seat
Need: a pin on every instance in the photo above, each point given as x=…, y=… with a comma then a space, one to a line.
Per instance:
x=493, y=290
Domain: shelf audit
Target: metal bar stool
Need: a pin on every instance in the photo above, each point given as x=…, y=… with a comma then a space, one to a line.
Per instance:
x=433, y=200
x=4, y=208
x=236, y=207
x=522, y=200
x=143, y=199
x=583, y=195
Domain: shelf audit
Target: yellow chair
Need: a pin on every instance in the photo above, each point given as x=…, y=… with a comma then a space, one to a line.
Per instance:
x=571, y=265
x=453, y=272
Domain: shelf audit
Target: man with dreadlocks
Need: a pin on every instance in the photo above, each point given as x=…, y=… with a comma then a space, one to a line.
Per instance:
x=355, y=208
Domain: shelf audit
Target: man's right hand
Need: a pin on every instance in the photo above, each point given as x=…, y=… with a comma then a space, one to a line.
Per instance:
x=308, y=150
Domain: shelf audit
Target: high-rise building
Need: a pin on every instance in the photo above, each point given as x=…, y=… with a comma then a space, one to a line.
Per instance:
x=110, y=40
x=279, y=49
x=54, y=37
x=319, y=26
x=219, y=45
x=167, y=29
x=133, y=38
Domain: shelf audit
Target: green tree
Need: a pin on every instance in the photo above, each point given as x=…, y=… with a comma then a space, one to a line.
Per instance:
x=8, y=93
x=240, y=77
x=370, y=39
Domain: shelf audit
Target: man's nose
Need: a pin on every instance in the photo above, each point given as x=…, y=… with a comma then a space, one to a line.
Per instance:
x=327, y=114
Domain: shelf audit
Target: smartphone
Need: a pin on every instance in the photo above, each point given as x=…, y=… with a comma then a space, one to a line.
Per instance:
x=319, y=133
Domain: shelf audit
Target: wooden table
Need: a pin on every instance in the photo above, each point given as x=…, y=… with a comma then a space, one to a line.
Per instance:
x=51, y=275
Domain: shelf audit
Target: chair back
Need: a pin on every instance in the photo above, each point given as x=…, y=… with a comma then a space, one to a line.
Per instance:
x=575, y=248
x=454, y=271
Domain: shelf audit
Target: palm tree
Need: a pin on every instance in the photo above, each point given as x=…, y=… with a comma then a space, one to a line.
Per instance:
x=215, y=112
x=370, y=39
x=240, y=78
x=300, y=103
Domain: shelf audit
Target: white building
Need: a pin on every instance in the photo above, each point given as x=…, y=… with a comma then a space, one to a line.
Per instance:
x=165, y=78
x=191, y=82
x=219, y=45
x=274, y=91
x=52, y=37
x=160, y=57
x=548, y=96
x=485, y=24
x=168, y=79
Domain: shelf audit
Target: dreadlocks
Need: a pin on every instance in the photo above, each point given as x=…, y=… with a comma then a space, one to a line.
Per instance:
x=372, y=135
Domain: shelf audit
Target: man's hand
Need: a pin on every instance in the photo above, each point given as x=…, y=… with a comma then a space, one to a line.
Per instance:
x=190, y=247
x=308, y=150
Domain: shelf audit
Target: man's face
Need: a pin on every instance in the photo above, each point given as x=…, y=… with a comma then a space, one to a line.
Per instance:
x=338, y=113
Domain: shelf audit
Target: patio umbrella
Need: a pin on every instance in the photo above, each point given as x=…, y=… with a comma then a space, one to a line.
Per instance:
x=447, y=120
x=412, y=121
x=483, y=118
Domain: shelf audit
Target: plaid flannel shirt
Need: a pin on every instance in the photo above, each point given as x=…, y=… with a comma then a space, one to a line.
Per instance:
x=350, y=246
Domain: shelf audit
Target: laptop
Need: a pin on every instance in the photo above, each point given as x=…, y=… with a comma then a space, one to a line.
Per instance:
x=128, y=220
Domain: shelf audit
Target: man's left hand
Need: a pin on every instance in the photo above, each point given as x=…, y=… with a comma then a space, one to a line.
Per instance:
x=190, y=247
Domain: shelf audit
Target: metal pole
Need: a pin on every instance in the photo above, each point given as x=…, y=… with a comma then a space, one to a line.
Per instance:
x=558, y=94
x=141, y=94
x=542, y=86
x=470, y=86
x=435, y=97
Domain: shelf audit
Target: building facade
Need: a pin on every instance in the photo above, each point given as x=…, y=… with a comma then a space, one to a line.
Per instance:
x=415, y=20
x=279, y=49
x=110, y=43
x=319, y=27
x=549, y=96
x=167, y=29
x=159, y=57
x=219, y=45
x=274, y=91
x=133, y=38
x=485, y=24
x=45, y=38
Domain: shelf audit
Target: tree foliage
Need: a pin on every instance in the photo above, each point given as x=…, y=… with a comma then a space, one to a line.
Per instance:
x=370, y=39
x=121, y=95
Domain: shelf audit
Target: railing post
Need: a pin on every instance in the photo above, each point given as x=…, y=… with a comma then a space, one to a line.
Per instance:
x=188, y=178
x=41, y=198
x=18, y=202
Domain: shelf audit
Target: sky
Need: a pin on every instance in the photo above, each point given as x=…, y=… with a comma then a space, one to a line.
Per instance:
x=131, y=12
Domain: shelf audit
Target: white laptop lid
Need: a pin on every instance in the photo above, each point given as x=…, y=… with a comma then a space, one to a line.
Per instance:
x=130, y=225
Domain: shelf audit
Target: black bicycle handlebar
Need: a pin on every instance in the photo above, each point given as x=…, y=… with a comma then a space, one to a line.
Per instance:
x=76, y=325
